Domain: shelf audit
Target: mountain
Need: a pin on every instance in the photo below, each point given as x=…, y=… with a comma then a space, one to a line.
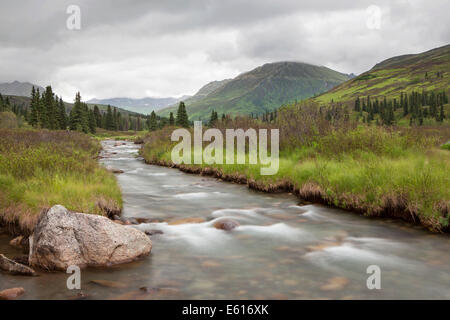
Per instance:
x=144, y=105
x=429, y=71
x=206, y=90
x=17, y=88
x=262, y=89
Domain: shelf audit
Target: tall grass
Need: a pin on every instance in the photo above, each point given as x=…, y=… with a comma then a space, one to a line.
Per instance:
x=372, y=170
x=40, y=168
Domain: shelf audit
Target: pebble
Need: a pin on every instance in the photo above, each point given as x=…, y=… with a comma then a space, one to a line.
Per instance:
x=335, y=283
x=11, y=294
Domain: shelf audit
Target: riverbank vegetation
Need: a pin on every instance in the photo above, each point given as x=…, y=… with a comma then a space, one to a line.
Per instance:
x=102, y=134
x=41, y=168
x=328, y=157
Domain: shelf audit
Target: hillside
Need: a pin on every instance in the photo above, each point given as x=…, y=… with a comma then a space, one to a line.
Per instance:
x=144, y=105
x=262, y=89
x=429, y=70
x=206, y=90
x=17, y=88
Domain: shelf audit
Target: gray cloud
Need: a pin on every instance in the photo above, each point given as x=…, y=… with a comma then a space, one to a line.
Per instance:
x=165, y=48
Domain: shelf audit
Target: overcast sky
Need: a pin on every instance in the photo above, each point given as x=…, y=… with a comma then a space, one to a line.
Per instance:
x=170, y=48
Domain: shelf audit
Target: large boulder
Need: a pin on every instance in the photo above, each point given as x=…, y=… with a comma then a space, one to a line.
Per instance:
x=63, y=238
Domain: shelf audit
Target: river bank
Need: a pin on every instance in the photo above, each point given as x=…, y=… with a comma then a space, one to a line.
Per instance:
x=370, y=171
x=41, y=168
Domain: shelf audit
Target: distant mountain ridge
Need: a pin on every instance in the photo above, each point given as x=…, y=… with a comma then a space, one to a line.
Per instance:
x=261, y=89
x=143, y=105
x=17, y=88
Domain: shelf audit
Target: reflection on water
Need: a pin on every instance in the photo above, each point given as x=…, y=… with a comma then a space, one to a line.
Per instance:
x=280, y=250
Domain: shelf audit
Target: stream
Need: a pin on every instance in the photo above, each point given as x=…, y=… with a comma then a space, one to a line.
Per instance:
x=281, y=250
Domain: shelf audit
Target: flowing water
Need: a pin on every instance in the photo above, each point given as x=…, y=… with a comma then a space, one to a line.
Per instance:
x=281, y=250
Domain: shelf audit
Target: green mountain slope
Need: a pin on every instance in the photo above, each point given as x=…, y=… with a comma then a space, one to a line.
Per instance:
x=262, y=89
x=414, y=72
x=206, y=90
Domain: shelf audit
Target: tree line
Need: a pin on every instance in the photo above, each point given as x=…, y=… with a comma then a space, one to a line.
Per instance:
x=418, y=105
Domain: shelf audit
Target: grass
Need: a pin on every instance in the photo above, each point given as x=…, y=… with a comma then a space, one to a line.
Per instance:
x=368, y=169
x=103, y=134
x=40, y=168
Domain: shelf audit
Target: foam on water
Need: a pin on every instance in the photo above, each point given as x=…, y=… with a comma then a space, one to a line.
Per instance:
x=196, y=195
x=277, y=230
x=157, y=174
x=353, y=254
x=202, y=235
x=238, y=212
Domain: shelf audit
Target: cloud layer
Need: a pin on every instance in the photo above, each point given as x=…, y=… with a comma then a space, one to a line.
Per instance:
x=169, y=48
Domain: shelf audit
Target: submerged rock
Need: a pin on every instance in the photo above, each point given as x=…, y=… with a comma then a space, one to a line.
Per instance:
x=11, y=294
x=114, y=170
x=152, y=232
x=226, y=224
x=335, y=283
x=13, y=267
x=21, y=243
x=80, y=296
x=63, y=238
x=187, y=220
x=110, y=284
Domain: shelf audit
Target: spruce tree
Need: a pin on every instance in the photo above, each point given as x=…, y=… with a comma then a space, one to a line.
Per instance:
x=34, y=106
x=50, y=120
x=115, y=124
x=119, y=121
x=441, y=114
x=109, y=120
x=42, y=111
x=153, y=125
x=77, y=119
x=85, y=118
x=182, y=117
x=91, y=121
x=214, y=117
x=420, y=116
x=98, y=117
x=357, y=105
x=171, y=119
x=62, y=115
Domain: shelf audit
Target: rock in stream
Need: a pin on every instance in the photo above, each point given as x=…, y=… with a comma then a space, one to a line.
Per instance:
x=63, y=238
